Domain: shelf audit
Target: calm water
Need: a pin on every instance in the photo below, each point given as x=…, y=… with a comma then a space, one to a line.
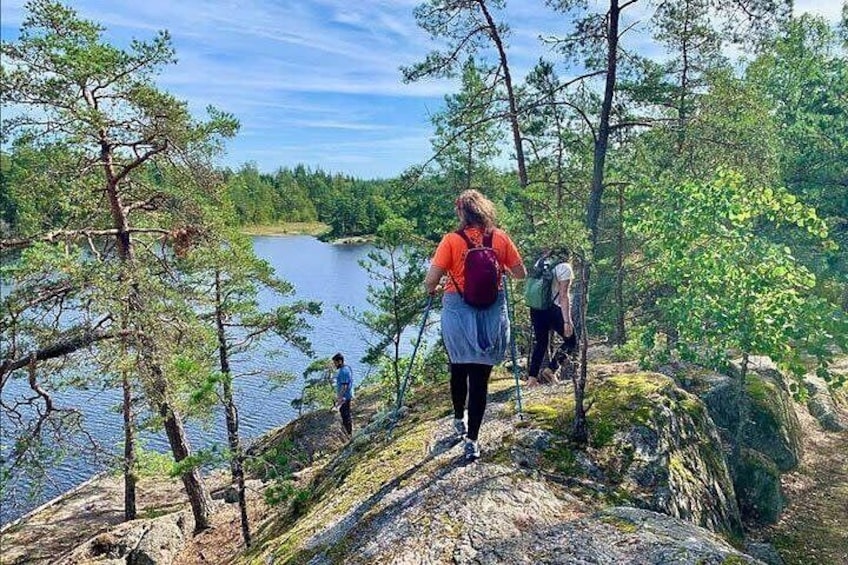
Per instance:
x=319, y=271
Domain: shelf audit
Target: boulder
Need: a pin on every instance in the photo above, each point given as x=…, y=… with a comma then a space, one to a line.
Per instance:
x=765, y=552
x=761, y=365
x=156, y=541
x=600, y=352
x=773, y=428
x=309, y=437
x=839, y=370
x=161, y=543
x=822, y=405
x=718, y=392
x=758, y=490
x=772, y=439
x=229, y=493
x=658, y=443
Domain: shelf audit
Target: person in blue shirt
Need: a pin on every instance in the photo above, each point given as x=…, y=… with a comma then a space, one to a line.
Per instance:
x=344, y=391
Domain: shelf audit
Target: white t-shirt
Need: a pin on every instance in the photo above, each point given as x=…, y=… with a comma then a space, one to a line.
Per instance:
x=562, y=272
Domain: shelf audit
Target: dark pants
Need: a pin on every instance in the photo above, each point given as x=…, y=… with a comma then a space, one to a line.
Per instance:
x=543, y=322
x=347, y=423
x=471, y=381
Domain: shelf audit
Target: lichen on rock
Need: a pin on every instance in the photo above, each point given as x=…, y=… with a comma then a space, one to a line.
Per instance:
x=156, y=541
x=665, y=449
x=406, y=496
x=773, y=427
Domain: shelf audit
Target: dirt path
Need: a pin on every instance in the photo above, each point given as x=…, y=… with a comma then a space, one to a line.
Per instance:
x=814, y=526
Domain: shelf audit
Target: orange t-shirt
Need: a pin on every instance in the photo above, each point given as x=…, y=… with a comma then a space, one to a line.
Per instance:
x=450, y=254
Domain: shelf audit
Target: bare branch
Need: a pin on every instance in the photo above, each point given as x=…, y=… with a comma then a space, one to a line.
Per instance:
x=68, y=235
x=58, y=349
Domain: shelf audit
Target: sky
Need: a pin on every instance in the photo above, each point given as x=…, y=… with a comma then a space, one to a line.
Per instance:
x=313, y=81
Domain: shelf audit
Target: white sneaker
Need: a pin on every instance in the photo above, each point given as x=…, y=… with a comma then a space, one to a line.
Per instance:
x=459, y=427
x=472, y=450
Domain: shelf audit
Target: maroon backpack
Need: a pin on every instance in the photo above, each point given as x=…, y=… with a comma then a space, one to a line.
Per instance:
x=482, y=272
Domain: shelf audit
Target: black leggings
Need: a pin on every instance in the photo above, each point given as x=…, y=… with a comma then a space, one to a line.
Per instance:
x=470, y=380
x=543, y=322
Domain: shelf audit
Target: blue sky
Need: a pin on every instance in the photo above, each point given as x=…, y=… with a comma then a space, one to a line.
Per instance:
x=312, y=81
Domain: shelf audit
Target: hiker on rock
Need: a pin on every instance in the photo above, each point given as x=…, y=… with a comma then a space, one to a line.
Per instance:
x=547, y=293
x=475, y=323
x=344, y=391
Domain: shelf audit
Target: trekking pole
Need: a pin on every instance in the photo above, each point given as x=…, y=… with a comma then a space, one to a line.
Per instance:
x=412, y=359
x=511, y=317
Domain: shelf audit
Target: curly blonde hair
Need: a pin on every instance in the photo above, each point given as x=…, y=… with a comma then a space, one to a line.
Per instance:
x=477, y=210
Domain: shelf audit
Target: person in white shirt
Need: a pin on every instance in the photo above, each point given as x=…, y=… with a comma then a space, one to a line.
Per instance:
x=557, y=318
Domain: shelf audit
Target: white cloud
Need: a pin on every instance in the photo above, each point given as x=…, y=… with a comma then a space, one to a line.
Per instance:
x=831, y=10
x=317, y=81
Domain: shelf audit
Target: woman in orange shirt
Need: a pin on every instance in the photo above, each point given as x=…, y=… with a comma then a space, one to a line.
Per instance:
x=476, y=338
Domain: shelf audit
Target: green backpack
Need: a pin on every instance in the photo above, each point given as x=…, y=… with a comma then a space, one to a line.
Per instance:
x=537, y=288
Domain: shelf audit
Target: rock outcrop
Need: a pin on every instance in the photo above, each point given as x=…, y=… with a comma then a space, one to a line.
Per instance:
x=773, y=427
x=407, y=496
x=758, y=488
x=155, y=541
x=822, y=404
x=662, y=450
x=633, y=536
x=771, y=442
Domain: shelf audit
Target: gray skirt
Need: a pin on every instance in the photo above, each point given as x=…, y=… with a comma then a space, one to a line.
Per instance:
x=472, y=335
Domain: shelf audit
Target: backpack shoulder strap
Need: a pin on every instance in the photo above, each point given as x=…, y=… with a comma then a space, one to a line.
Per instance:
x=461, y=233
x=488, y=237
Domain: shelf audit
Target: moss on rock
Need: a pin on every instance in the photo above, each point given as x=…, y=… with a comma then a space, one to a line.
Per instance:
x=757, y=482
x=652, y=443
x=772, y=431
x=773, y=427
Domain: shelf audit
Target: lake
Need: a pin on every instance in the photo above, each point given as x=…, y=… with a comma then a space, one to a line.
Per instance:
x=319, y=271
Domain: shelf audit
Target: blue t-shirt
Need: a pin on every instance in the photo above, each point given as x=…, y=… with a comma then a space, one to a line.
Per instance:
x=344, y=376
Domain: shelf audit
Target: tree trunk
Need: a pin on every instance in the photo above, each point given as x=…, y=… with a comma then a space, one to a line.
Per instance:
x=560, y=153
x=742, y=408
x=602, y=141
x=195, y=489
x=237, y=461
x=231, y=414
x=201, y=503
x=579, y=432
x=510, y=93
x=620, y=330
x=130, y=477
x=593, y=213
